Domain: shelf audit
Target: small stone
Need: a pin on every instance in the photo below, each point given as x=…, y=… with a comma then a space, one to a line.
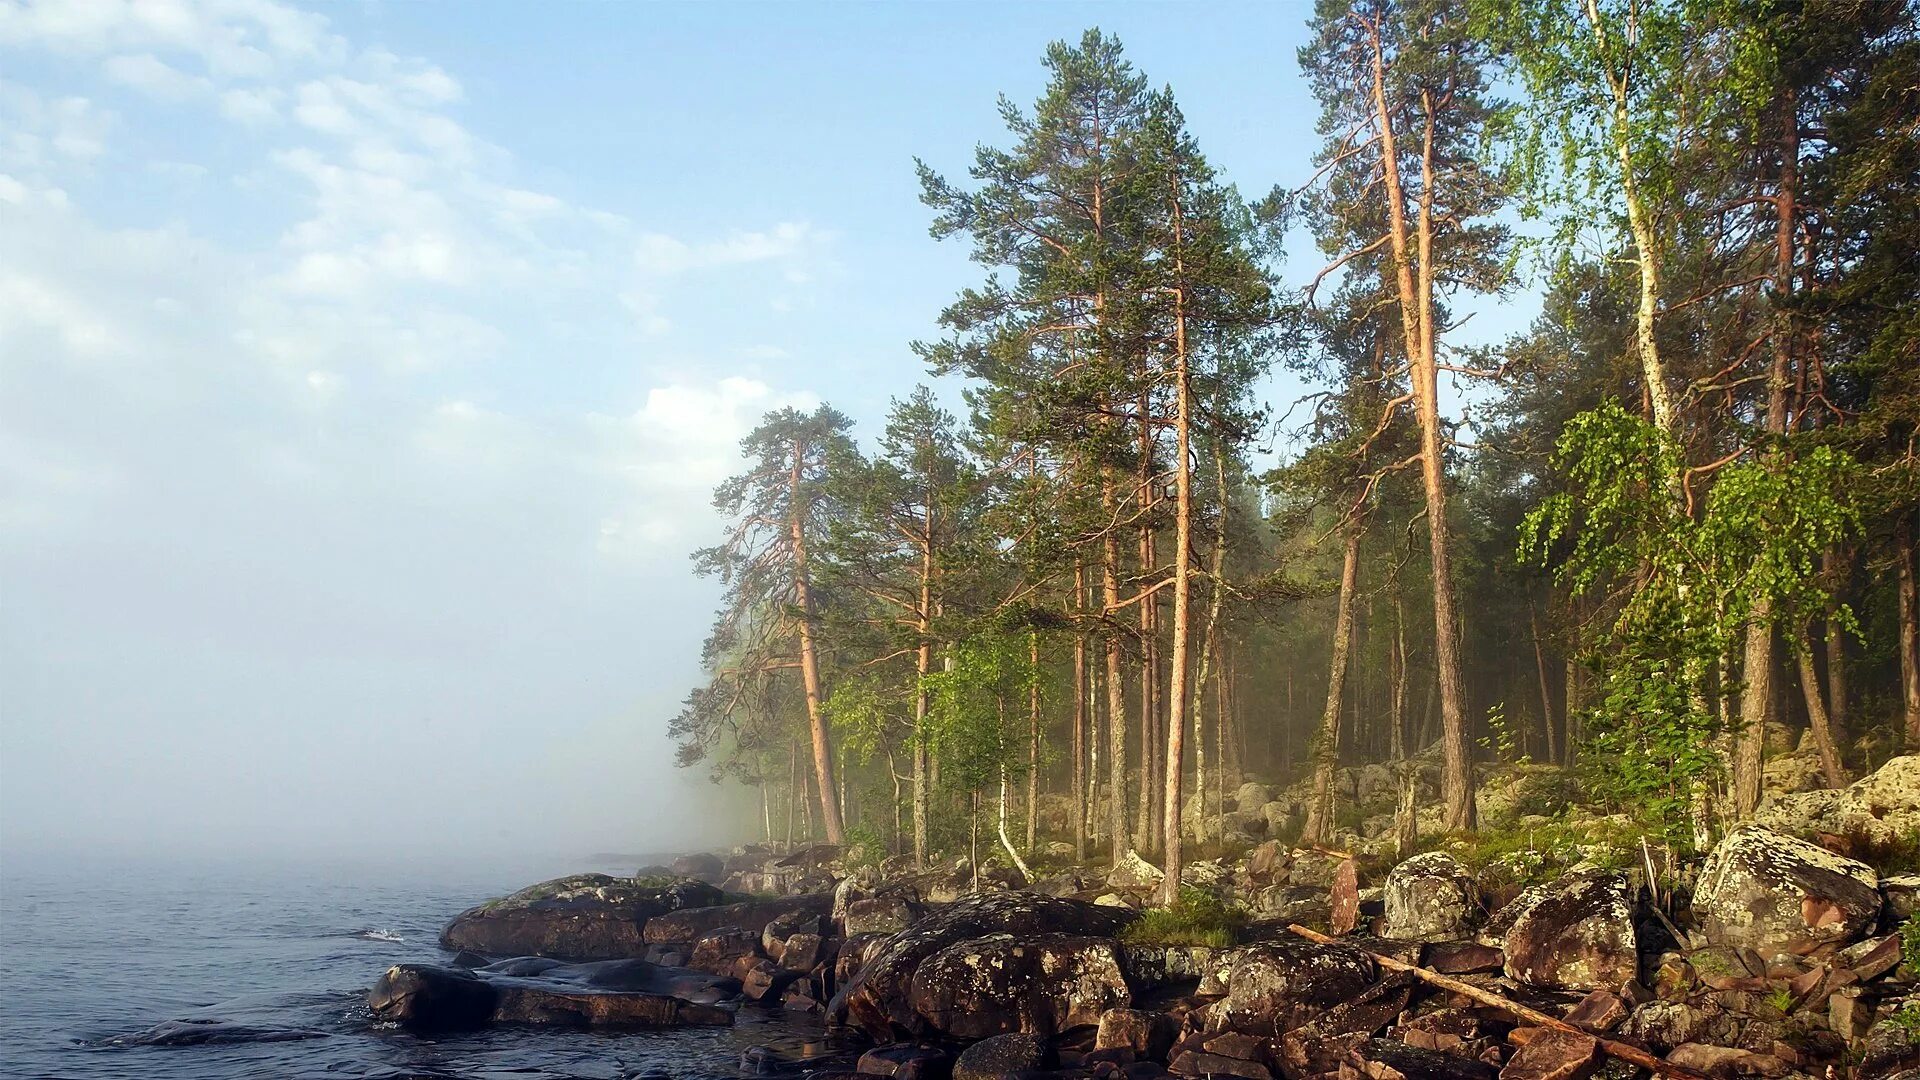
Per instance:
x=1848, y=1015
x=906, y=1062
x=1598, y=1012
x=1726, y=1062
x=1552, y=1054
x=1871, y=958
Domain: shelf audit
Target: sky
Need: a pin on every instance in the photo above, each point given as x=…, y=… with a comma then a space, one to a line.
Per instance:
x=365, y=370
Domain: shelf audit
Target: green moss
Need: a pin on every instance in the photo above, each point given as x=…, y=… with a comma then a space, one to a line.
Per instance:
x=1524, y=856
x=1197, y=918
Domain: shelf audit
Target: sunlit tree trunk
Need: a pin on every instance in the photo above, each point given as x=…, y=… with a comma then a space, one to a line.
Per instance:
x=809, y=658
x=1909, y=643
x=1182, y=585
x=1326, y=741
x=1116, y=693
x=1079, y=740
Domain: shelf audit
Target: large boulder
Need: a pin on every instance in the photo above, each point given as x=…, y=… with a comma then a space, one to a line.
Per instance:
x=690, y=924
x=1430, y=897
x=429, y=997
x=1575, y=933
x=877, y=998
x=703, y=865
x=1773, y=893
x=1882, y=808
x=583, y=917
x=1275, y=986
x=1044, y=984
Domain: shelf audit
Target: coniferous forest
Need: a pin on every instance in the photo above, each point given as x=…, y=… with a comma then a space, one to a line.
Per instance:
x=1649, y=564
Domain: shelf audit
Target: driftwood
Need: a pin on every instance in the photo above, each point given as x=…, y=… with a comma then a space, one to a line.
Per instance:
x=1626, y=1052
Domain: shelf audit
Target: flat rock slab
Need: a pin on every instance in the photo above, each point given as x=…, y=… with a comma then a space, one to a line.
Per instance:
x=431, y=997
x=583, y=917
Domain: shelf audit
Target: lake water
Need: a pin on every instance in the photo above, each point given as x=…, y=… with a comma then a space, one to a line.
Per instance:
x=96, y=953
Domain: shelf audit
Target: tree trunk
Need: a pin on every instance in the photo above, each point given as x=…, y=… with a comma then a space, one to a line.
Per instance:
x=1033, y=738
x=1750, y=740
x=809, y=660
x=1079, y=740
x=922, y=667
x=1182, y=585
x=1909, y=636
x=1546, y=693
x=1116, y=693
x=1149, y=637
x=1325, y=749
x=1817, y=720
x=1835, y=561
x=1416, y=320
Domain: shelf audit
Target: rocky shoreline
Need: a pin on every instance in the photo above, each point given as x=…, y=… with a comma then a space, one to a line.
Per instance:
x=1775, y=957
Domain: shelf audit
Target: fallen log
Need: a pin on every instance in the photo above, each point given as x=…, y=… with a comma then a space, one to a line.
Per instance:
x=1627, y=1052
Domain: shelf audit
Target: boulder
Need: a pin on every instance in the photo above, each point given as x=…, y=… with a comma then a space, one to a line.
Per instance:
x=1430, y=897
x=1274, y=986
x=877, y=997
x=1773, y=893
x=993, y=1058
x=429, y=997
x=1882, y=808
x=720, y=951
x=1575, y=933
x=1134, y=872
x=774, y=935
x=690, y=924
x=1148, y=1034
x=702, y=865
x=878, y=915
x=1252, y=795
x=584, y=917
x=1046, y=984
x=1663, y=1025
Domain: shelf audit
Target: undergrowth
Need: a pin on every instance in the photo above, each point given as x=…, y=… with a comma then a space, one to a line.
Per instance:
x=1197, y=918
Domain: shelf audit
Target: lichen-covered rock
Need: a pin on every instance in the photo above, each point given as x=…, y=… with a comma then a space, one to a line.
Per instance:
x=1575, y=933
x=1881, y=808
x=1274, y=986
x=996, y=1057
x=878, y=915
x=1134, y=872
x=1430, y=897
x=877, y=997
x=1773, y=893
x=1045, y=984
x=583, y=917
x=1252, y=795
x=1552, y=1054
x=1663, y=1025
x=690, y=924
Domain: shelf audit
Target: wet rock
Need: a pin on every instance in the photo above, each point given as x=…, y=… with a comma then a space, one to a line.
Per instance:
x=877, y=997
x=1147, y=1033
x=774, y=935
x=428, y=997
x=906, y=1062
x=1274, y=986
x=584, y=917
x=802, y=952
x=1045, y=984
x=992, y=1058
x=1430, y=897
x=1205, y=1063
x=690, y=924
x=1382, y=1059
x=1552, y=1054
x=1770, y=892
x=1576, y=933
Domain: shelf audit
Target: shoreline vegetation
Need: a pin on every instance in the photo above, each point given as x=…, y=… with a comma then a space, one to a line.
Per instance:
x=1549, y=710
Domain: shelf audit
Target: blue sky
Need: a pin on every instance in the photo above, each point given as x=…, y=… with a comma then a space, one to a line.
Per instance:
x=364, y=370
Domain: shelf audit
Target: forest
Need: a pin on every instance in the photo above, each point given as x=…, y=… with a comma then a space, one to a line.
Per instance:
x=1661, y=537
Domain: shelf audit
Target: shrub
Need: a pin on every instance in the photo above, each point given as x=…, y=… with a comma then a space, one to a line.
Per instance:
x=1197, y=918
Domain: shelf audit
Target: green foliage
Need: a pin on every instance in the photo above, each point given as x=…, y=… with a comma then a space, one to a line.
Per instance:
x=1503, y=737
x=977, y=713
x=1197, y=918
x=1910, y=945
x=1519, y=857
x=1690, y=582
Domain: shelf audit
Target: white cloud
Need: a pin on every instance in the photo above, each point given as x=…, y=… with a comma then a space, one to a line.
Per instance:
x=151, y=75
x=789, y=241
